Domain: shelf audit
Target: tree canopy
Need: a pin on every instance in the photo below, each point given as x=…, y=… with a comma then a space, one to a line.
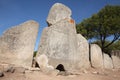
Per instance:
x=102, y=26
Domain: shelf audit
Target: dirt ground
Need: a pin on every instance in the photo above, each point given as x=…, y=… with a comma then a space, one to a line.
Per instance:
x=84, y=75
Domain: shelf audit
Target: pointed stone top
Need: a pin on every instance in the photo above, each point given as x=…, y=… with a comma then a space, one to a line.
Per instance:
x=58, y=12
x=30, y=22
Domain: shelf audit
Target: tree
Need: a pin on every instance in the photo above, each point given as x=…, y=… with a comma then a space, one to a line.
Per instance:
x=114, y=46
x=102, y=26
x=35, y=53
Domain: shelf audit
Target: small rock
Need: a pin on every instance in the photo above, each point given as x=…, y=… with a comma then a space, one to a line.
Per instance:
x=34, y=69
x=71, y=76
x=54, y=72
x=9, y=68
x=64, y=73
x=28, y=71
x=1, y=74
x=95, y=72
x=85, y=71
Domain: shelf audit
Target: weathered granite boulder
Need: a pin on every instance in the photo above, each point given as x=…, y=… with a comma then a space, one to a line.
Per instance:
x=17, y=44
x=57, y=13
x=116, y=62
x=96, y=56
x=82, y=52
x=108, y=63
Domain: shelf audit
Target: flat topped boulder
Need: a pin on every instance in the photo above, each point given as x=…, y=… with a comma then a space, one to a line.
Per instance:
x=17, y=44
x=57, y=13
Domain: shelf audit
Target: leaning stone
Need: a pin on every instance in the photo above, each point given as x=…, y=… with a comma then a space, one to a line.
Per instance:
x=95, y=72
x=96, y=56
x=58, y=12
x=18, y=44
x=108, y=63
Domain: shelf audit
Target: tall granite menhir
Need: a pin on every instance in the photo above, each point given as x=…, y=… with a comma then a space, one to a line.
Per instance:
x=17, y=44
x=60, y=43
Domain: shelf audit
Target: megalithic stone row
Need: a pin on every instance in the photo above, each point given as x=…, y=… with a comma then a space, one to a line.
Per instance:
x=60, y=42
x=59, y=45
x=17, y=44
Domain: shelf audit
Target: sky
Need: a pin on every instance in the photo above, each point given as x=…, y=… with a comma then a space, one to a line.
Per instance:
x=14, y=12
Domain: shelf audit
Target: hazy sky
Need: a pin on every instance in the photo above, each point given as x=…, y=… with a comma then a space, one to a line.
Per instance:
x=14, y=12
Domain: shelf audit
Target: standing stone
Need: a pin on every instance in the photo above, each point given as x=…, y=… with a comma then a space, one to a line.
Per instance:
x=108, y=64
x=96, y=56
x=17, y=44
x=60, y=42
x=82, y=52
x=116, y=62
x=57, y=13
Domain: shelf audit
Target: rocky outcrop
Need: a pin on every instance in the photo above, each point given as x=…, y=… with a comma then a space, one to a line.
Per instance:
x=108, y=63
x=60, y=42
x=96, y=56
x=17, y=44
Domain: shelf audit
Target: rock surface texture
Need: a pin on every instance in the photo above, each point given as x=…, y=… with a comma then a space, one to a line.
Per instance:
x=59, y=41
x=17, y=44
x=96, y=56
x=108, y=63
